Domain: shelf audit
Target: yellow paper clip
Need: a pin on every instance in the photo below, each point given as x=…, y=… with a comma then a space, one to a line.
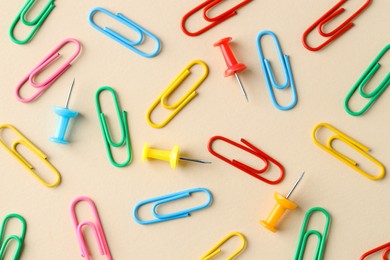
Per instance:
x=217, y=248
x=179, y=105
x=360, y=148
x=24, y=141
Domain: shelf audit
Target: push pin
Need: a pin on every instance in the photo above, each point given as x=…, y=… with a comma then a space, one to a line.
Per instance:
x=172, y=156
x=282, y=204
x=233, y=66
x=64, y=115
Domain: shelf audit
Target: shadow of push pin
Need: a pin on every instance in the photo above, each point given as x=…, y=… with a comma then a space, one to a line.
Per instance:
x=172, y=156
x=64, y=115
x=282, y=205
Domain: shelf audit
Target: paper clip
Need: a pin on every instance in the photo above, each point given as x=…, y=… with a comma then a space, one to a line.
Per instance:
x=179, y=105
x=363, y=81
x=37, y=22
x=4, y=241
x=217, y=248
x=108, y=140
x=42, y=65
x=28, y=144
x=334, y=12
x=385, y=248
x=120, y=38
x=305, y=234
x=96, y=227
x=360, y=148
x=207, y=5
x=269, y=75
x=158, y=201
x=250, y=148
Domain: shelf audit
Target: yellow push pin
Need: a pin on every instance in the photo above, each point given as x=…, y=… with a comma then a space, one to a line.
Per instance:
x=172, y=156
x=282, y=204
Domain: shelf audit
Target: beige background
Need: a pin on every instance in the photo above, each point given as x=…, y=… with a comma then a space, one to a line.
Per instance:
x=358, y=206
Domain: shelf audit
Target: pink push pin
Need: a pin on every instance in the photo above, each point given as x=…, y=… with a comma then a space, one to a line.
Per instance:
x=233, y=66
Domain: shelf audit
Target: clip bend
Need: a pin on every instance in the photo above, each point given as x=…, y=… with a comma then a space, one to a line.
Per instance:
x=217, y=248
x=4, y=241
x=384, y=247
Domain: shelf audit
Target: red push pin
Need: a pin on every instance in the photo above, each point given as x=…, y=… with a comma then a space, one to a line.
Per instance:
x=233, y=66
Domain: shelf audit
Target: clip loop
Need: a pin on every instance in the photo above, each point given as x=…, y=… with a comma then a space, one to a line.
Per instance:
x=305, y=234
x=363, y=81
x=216, y=249
x=250, y=148
x=384, y=247
x=269, y=75
x=4, y=241
x=53, y=55
x=122, y=117
x=360, y=148
x=169, y=198
x=334, y=12
x=96, y=227
x=207, y=5
x=120, y=38
x=27, y=143
x=179, y=105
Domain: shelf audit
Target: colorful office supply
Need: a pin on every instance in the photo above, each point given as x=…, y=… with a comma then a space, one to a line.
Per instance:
x=281, y=206
x=172, y=156
x=270, y=76
x=328, y=17
x=360, y=148
x=53, y=55
x=29, y=145
x=35, y=23
x=212, y=21
x=217, y=248
x=108, y=140
x=385, y=253
x=19, y=239
x=362, y=82
x=233, y=66
x=159, y=201
x=179, y=105
x=132, y=45
x=305, y=234
x=250, y=148
x=64, y=115
x=96, y=226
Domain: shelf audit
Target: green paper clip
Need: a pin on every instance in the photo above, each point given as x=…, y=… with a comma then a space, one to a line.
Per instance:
x=18, y=239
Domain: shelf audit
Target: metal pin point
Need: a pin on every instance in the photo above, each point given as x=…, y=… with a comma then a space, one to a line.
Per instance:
x=194, y=160
x=295, y=185
x=69, y=93
x=241, y=86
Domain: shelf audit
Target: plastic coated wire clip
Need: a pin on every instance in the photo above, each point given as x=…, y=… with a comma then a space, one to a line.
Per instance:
x=53, y=55
x=159, y=201
x=362, y=83
x=120, y=38
x=270, y=76
x=385, y=253
x=108, y=140
x=334, y=12
x=36, y=23
x=95, y=226
x=14, y=152
x=217, y=248
x=182, y=102
x=305, y=234
x=250, y=148
x=4, y=241
x=360, y=148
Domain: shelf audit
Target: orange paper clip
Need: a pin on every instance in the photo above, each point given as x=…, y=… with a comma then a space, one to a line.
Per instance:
x=385, y=248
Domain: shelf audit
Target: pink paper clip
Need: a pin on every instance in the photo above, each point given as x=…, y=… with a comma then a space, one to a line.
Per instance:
x=334, y=12
x=96, y=227
x=385, y=248
x=250, y=148
x=42, y=65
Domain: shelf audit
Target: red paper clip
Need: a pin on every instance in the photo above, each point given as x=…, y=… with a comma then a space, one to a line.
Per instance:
x=207, y=5
x=253, y=150
x=327, y=17
x=385, y=248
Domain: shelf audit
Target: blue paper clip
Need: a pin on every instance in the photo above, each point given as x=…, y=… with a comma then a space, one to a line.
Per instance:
x=4, y=241
x=269, y=75
x=168, y=198
x=120, y=38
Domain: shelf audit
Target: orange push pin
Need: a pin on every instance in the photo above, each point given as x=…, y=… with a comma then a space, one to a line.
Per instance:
x=282, y=204
x=172, y=156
